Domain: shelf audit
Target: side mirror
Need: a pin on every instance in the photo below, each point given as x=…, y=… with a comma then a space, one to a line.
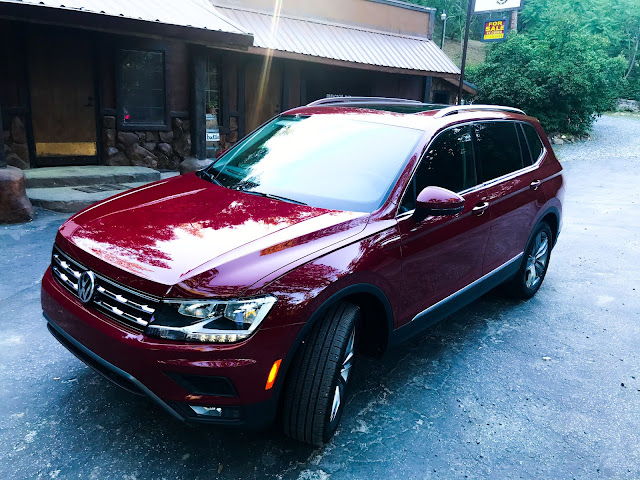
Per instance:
x=437, y=201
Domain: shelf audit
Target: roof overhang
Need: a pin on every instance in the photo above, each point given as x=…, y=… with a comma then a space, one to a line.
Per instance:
x=191, y=21
x=341, y=45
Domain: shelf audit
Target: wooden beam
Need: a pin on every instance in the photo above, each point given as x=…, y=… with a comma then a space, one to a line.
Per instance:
x=198, y=114
x=3, y=160
x=428, y=82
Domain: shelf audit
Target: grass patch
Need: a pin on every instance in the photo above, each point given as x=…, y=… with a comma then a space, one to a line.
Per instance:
x=476, y=52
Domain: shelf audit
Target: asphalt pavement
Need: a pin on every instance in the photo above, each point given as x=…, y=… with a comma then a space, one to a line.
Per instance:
x=548, y=388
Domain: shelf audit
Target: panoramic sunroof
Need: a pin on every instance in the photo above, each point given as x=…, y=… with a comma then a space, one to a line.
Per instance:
x=397, y=108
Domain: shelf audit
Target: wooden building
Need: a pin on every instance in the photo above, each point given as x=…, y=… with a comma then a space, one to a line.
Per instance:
x=152, y=82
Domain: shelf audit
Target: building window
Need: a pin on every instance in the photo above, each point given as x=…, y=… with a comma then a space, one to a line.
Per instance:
x=142, y=90
x=212, y=91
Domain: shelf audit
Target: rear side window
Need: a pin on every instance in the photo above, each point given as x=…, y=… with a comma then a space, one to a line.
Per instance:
x=448, y=163
x=533, y=139
x=497, y=149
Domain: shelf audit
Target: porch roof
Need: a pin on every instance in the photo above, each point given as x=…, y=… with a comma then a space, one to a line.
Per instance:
x=341, y=44
x=190, y=20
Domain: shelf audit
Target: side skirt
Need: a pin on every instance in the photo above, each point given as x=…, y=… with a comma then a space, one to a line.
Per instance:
x=456, y=301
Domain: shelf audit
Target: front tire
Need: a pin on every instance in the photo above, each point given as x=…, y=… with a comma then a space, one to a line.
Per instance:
x=528, y=280
x=314, y=395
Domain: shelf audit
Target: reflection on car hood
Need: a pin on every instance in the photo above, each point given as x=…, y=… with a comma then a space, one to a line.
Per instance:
x=174, y=230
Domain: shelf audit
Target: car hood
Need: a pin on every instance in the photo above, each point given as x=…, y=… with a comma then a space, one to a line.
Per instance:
x=186, y=230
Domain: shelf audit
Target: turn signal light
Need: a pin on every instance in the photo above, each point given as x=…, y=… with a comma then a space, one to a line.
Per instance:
x=272, y=374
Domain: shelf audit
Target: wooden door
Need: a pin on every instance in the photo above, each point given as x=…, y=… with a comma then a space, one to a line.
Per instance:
x=62, y=97
x=262, y=92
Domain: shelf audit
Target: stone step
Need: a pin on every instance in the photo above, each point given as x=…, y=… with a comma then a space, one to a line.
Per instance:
x=73, y=199
x=50, y=177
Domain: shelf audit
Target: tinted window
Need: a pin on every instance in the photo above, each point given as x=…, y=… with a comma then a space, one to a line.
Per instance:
x=448, y=163
x=141, y=90
x=535, y=144
x=327, y=161
x=497, y=149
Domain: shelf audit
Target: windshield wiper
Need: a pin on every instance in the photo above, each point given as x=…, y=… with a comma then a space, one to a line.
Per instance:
x=207, y=176
x=270, y=195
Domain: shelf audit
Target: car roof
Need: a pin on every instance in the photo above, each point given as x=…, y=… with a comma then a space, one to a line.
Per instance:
x=406, y=113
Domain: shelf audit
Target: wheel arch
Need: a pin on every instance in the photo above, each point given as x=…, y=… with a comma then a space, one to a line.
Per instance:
x=552, y=217
x=376, y=314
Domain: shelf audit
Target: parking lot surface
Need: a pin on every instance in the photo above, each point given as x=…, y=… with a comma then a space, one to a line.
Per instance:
x=548, y=388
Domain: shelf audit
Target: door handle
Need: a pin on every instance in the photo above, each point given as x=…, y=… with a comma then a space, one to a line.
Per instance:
x=535, y=184
x=480, y=208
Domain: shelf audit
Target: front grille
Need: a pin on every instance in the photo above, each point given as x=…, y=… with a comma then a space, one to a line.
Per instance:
x=123, y=304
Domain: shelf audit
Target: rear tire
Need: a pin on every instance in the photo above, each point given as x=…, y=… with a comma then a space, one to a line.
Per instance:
x=314, y=396
x=527, y=281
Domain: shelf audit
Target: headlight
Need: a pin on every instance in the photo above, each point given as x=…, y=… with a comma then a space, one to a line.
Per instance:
x=213, y=321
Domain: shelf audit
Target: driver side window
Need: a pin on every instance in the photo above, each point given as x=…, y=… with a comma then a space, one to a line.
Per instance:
x=448, y=163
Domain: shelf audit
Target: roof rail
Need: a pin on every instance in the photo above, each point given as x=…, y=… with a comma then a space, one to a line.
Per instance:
x=462, y=108
x=363, y=100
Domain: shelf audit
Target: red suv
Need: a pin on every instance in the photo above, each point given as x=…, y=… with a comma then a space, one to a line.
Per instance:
x=244, y=292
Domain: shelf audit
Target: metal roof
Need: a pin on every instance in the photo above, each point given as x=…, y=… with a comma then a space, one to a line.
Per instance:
x=347, y=43
x=198, y=14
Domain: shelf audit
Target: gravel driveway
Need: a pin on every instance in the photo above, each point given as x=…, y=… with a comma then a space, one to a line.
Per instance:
x=548, y=388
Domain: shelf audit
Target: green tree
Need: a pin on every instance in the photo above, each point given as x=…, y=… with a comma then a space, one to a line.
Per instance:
x=566, y=78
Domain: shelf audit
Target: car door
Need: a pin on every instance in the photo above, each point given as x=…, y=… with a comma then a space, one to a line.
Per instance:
x=441, y=254
x=510, y=187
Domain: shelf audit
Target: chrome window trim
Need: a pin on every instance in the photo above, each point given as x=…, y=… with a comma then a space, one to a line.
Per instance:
x=480, y=186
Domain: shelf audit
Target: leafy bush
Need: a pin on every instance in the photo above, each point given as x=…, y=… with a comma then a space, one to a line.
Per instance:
x=566, y=79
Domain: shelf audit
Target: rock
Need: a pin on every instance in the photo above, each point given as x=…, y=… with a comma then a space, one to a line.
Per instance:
x=177, y=123
x=233, y=136
x=233, y=123
x=141, y=135
x=128, y=138
x=182, y=146
x=22, y=150
x=6, y=137
x=192, y=164
x=18, y=132
x=151, y=146
x=628, y=106
x=7, y=149
x=110, y=152
x=166, y=137
x=119, y=159
x=141, y=157
x=186, y=126
x=109, y=137
x=152, y=137
x=15, y=161
x=177, y=133
x=14, y=204
x=165, y=148
x=109, y=121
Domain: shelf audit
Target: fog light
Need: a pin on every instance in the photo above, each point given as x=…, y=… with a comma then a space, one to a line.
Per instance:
x=207, y=411
x=225, y=413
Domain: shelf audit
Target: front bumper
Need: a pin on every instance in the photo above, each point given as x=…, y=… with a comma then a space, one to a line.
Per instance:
x=153, y=367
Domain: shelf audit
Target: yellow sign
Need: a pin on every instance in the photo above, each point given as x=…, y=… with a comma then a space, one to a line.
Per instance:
x=494, y=30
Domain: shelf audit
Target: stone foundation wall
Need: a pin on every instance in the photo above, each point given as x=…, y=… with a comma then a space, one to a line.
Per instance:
x=159, y=150
x=15, y=143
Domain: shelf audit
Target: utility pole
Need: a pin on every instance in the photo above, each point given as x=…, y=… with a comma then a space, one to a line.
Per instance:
x=443, y=17
x=513, y=24
x=464, y=52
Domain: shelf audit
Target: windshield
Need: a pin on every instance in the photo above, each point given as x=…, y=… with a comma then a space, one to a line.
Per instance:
x=324, y=161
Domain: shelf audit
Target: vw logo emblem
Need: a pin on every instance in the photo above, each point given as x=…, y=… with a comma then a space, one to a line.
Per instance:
x=86, y=284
